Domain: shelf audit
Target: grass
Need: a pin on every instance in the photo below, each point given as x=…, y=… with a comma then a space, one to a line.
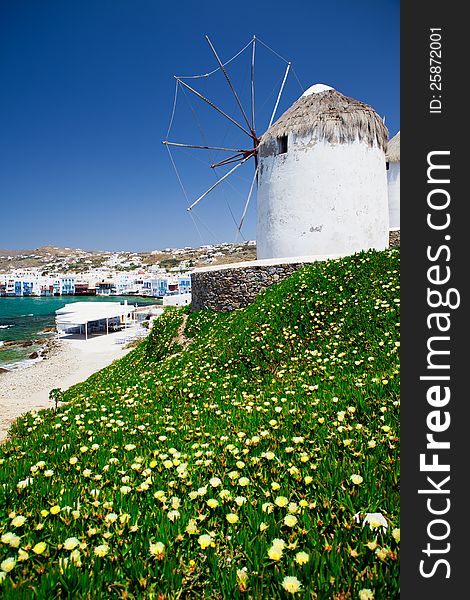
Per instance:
x=220, y=469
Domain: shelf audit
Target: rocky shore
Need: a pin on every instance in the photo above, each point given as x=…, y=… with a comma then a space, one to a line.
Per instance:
x=43, y=347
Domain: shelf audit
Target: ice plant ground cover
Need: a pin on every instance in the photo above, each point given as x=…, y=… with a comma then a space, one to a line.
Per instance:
x=232, y=467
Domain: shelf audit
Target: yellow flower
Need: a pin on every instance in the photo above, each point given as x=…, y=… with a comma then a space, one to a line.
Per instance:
x=22, y=555
x=63, y=562
x=55, y=509
x=263, y=526
x=157, y=549
x=356, y=479
x=18, y=521
x=308, y=479
x=7, y=565
x=75, y=558
x=291, y=584
x=396, y=535
x=101, y=550
x=191, y=527
x=302, y=558
x=111, y=517
x=243, y=481
x=242, y=576
x=39, y=548
x=281, y=501
x=275, y=553
x=73, y=460
x=232, y=518
x=381, y=553
x=204, y=540
x=290, y=520
x=212, y=503
x=372, y=545
x=366, y=594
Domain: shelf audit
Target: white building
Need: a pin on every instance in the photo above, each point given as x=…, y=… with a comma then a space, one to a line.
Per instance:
x=393, y=179
x=322, y=181
x=177, y=300
x=88, y=318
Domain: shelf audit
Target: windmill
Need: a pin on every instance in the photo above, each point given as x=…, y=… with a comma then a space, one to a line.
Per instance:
x=243, y=121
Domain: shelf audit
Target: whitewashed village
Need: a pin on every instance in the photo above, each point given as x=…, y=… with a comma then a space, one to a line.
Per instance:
x=158, y=274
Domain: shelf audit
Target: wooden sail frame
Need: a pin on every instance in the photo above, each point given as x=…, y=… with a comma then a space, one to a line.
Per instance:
x=239, y=156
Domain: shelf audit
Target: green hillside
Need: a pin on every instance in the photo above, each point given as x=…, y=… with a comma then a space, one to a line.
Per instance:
x=225, y=457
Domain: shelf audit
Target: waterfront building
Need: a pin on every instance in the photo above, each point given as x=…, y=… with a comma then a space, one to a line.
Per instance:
x=184, y=284
x=64, y=286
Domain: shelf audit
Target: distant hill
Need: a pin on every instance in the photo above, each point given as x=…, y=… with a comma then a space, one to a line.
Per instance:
x=52, y=259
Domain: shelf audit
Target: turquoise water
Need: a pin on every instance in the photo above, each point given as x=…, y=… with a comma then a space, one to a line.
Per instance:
x=26, y=319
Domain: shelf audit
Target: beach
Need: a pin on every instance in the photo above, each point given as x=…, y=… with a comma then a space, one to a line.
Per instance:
x=70, y=361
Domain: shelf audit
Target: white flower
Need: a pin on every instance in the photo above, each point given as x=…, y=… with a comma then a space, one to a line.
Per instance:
x=291, y=584
x=375, y=521
x=71, y=543
x=18, y=521
x=8, y=564
x=157, y=549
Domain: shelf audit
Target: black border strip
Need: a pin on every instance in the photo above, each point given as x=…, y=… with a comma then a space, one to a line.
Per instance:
x=422, y=411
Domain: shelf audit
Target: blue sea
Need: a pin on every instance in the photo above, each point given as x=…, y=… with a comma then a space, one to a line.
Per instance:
x=27, y=318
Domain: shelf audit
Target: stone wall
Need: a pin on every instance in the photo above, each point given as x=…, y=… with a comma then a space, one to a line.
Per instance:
x=394, y=237
x=226, y=289
x=229, y=289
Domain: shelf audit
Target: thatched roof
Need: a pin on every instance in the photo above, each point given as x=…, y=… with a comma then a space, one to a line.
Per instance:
x=332, y=117
x=393, y=149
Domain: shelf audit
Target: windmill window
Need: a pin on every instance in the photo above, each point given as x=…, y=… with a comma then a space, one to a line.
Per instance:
x=282, y=144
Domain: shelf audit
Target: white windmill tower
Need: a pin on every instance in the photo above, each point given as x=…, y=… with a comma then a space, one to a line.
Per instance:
x=323, y=184
x=393, y=177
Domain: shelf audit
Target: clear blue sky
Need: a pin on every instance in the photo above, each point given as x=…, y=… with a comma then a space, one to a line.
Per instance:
x=86, y=93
